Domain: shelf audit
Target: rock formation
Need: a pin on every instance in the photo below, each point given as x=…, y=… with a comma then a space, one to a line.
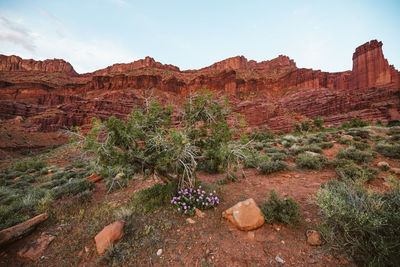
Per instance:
x=49, y=95
x=15, y=63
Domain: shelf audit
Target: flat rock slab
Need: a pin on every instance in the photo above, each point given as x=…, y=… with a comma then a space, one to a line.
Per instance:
x=34, y=251
x=245, y=215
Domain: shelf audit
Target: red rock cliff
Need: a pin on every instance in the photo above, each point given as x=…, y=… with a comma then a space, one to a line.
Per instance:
x=371, y=69
x=15, y=63
x=147, y=62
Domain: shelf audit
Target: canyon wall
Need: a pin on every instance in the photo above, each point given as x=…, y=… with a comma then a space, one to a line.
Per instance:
x=50, y=95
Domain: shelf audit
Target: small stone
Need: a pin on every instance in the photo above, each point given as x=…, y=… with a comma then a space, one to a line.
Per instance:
x=308, y=220
x=276, y=227
x=313, y=238
x=119, y=175
x=159, y=252
x=109, y=235
x=347, y=136
x=395, y=170
x=190, y=220
x=199, y=213
x=251, y=235
x=279, y=259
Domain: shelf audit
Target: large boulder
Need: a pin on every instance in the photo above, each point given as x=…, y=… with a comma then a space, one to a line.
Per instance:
x=245, y=215
x=109, y=235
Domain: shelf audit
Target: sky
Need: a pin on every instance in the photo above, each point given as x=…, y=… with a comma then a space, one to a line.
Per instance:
x=194, y=34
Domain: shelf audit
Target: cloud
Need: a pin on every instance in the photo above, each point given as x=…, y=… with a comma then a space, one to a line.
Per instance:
x=49, y=15
x=40, y=43
x=16, y=33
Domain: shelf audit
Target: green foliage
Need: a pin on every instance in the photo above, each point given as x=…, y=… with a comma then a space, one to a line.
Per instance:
x=23, y=166
x=272, y=166
x=388, y=150
x=345, y=141
x=148, y=144
x=311, y=148
x=363, y=224
x=318, y=122
x=312, y=162
x=354, y=173
x=265, y=134
x=157, y=196
x=355, y=155
x=276, y=209
x=354, y=123
x=325, y=145
x=361, y=145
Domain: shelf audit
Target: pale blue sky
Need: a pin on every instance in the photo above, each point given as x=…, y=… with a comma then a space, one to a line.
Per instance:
x=194, y=34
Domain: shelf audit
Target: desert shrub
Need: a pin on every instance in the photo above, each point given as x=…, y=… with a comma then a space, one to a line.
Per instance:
x=325, y=145
x=23, y=166
x=394, y=138
x=289, y=140
x=271, y=150
x=362, y=223
x=253, y=159
x=73, y=187
x=384, y=167
x=361, y=145
x=312, y=162
x=53, y=183
x=157, y=196
x=194, y=198
x=265, y=134
x=280, y=210
x=222, y=181
x=394, y=131
x=354, y=173
x=355, y=155
x=148, y=143
x=272, y=166
x=388, y=150
x=311, y=148
x=318, y=122
x=277, y=156
x=345, y=141
x=354, y=123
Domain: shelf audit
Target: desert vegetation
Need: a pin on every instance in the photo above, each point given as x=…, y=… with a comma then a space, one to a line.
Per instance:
x=172, y=159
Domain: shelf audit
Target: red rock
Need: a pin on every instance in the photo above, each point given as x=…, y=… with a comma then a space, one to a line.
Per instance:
x=15, y=63
x=49, y=95
x=109, y=235
x=36, y=249
x=94, y=178
x=245, y=215
x=314, y=238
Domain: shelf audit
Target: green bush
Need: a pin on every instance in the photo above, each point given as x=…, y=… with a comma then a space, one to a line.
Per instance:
x=363, y=224
x=23, y=166
x=307, y=161
x=345, y=141
x=272, y=166
x=355, y=155
x=72, y=188
x=354, y=123
x=325, y=145
x=388, y=150
x=354, y=173
x=157, y=196
x=311, y=148
x=361, y=145
x=280, y=210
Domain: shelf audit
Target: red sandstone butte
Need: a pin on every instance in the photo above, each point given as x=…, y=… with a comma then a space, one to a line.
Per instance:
x=49, y=95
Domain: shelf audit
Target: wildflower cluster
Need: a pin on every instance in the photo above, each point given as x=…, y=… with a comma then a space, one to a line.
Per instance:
x=189, y=200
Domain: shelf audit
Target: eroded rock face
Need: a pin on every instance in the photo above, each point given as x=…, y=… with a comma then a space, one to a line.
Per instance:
x=15, y=63
x=109, y=235
x=371, y=69
x=51, y=96
x=245, y=215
